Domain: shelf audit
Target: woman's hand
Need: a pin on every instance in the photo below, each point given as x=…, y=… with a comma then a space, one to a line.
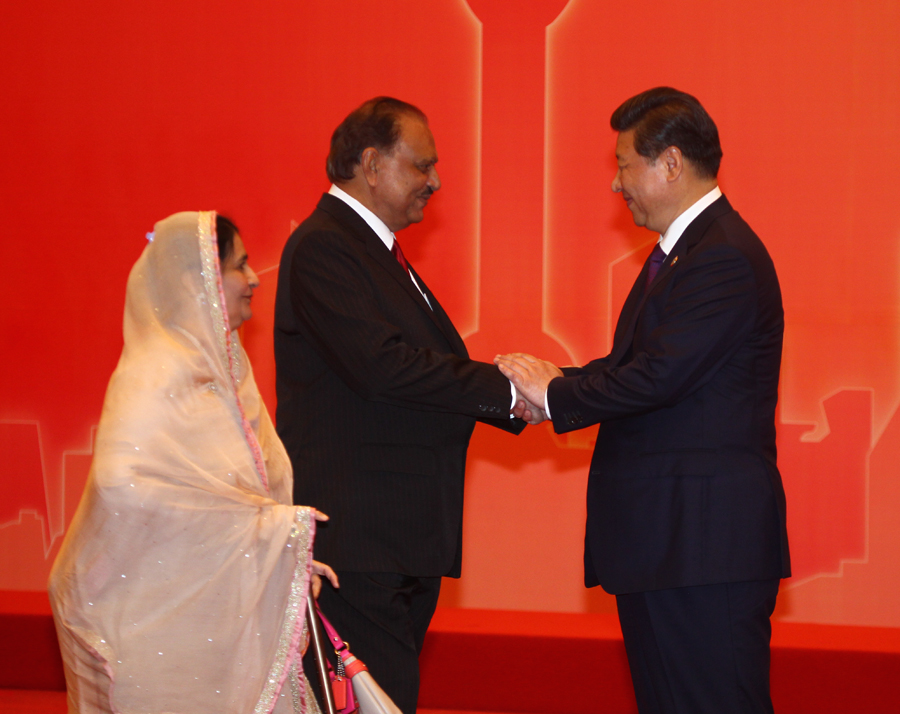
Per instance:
x=320, y=570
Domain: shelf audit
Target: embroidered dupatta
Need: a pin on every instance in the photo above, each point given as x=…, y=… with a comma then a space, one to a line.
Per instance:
x=181, y=584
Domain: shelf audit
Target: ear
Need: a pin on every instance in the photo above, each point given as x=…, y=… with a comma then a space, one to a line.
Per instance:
x=369, y=163
x=673, y=160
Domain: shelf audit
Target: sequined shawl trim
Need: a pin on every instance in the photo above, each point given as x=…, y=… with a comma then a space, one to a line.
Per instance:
x=212, y=281
x=288, y=650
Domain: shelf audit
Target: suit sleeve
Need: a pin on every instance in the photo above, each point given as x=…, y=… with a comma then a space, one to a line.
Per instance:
x=706, y=317
x=595, y=365
x=335, y=298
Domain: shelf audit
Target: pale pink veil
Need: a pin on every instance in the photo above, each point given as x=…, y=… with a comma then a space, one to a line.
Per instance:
x=182, y=581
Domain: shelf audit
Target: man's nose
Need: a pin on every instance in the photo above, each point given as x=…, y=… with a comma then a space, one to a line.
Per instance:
x=434, y=181
x=616, y=184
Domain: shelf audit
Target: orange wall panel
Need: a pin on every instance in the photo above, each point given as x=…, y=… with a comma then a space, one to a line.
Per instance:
x=116, y=115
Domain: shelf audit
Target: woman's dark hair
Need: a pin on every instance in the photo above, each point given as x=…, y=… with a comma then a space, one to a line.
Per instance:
x=664, y=117
x=225, y=233
x=375, y=123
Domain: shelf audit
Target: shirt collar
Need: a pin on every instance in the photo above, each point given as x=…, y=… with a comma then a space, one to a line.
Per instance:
x=374, y=222
x=668, y=240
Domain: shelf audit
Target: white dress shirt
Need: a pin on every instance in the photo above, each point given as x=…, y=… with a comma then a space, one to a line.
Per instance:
x=668, y=239
x=376, y=224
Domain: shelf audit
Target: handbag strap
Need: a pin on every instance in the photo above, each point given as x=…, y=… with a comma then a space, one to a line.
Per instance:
x=333, y=636
x=352, y=664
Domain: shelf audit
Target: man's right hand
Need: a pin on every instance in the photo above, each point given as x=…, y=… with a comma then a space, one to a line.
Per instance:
x=524, y=409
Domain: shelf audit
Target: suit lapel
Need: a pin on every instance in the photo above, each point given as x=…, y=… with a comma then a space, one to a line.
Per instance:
x=625, y=323
x=378, y=251
x=634, y=304
x=442, y=319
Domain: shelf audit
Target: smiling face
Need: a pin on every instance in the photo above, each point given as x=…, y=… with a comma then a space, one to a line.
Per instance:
x=643, y=184
x=238, y=284
x=406, y=177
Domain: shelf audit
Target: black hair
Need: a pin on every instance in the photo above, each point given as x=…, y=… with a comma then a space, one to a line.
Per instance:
x=373, y=124
x=664, y=117
x=225, y=233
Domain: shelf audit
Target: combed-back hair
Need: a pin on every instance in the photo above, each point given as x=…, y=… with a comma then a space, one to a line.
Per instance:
x=664, y=117
x=375, y=123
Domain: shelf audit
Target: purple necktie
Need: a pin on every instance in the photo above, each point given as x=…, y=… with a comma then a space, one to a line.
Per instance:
x=398, y=254
x=655, y=261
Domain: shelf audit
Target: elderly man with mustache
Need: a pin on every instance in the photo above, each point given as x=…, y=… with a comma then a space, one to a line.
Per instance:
x=377, y=398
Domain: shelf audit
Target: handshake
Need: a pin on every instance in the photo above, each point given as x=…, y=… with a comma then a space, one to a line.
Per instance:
x=530, y=376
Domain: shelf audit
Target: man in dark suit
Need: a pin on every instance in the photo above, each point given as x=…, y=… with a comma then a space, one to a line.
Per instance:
x=377, y=397
x=686, y=510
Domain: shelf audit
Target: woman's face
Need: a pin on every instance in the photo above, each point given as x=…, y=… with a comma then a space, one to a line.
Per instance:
x=238, y=283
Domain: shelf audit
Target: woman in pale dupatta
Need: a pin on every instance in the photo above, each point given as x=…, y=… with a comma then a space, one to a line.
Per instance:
x=181, y=584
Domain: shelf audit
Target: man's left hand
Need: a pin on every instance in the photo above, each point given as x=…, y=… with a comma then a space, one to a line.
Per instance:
x=529, y=375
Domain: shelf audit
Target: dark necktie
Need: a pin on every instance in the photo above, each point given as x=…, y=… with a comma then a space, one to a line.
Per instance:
x=655, y=262
x=398, y=254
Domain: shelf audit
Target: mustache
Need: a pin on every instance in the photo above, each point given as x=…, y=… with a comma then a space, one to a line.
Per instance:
x=427, y=193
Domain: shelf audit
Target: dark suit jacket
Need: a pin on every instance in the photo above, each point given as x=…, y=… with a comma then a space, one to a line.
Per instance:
x=684, y=488
x=377, y=400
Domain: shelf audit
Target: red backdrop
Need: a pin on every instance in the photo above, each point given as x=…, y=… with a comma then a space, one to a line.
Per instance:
x=115, y=115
